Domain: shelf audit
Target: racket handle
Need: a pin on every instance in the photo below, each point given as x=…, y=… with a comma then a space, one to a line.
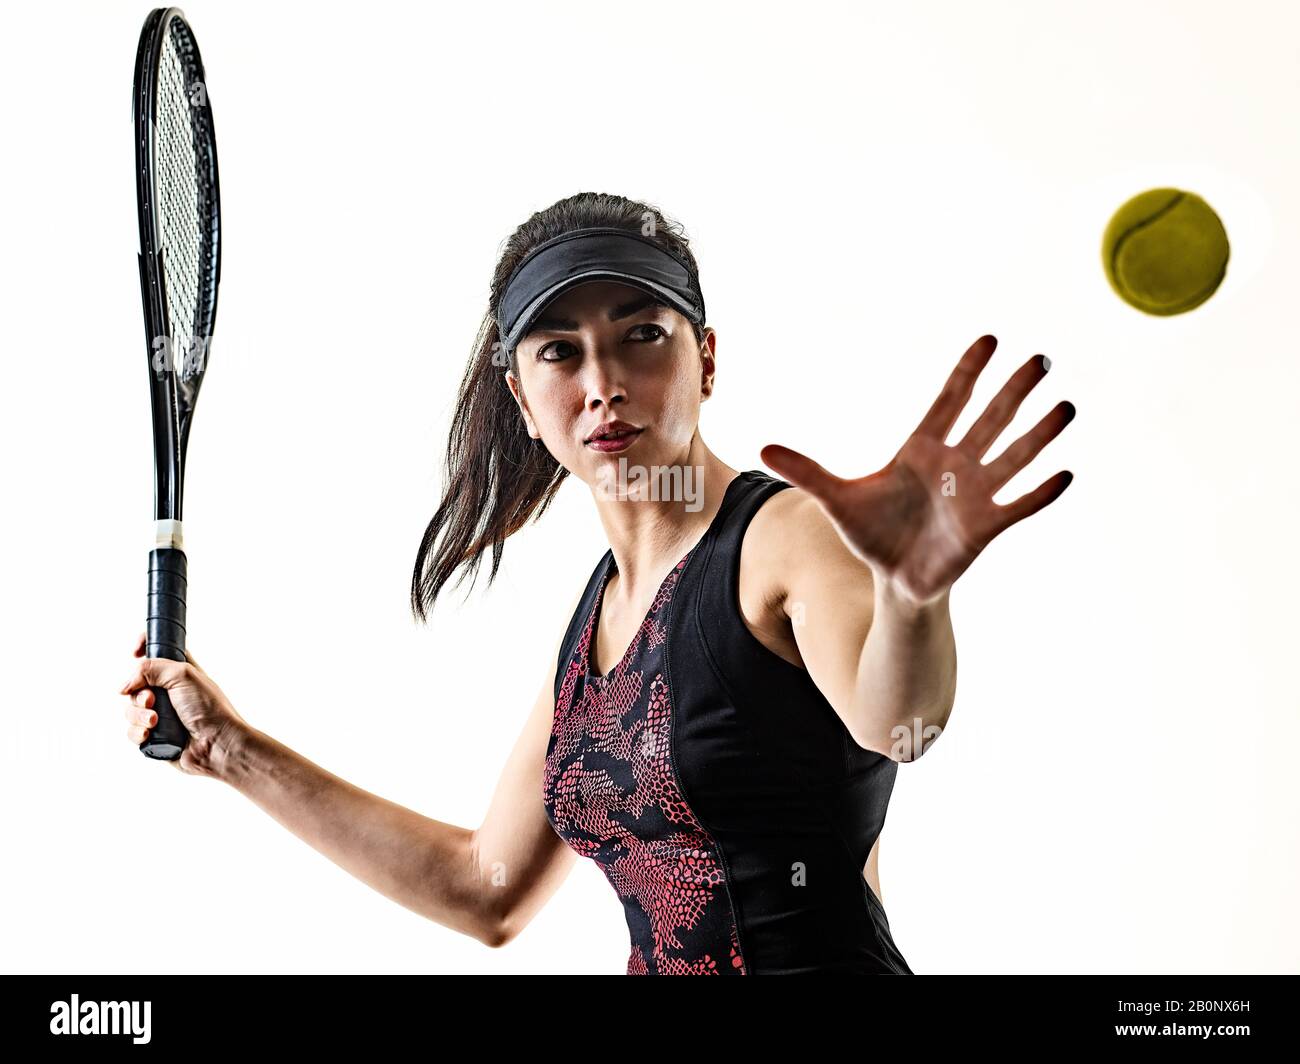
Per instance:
x=165, y=638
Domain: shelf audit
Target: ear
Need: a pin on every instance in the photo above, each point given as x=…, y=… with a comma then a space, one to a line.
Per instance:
x=708, y=363
x=513, y=382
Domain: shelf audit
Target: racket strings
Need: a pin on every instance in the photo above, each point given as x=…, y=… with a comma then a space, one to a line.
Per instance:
x=182, y=205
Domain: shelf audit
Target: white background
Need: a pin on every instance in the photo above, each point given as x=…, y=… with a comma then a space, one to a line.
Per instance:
x=1116, y=790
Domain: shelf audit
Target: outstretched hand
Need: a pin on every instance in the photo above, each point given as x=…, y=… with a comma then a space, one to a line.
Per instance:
x=921, y=520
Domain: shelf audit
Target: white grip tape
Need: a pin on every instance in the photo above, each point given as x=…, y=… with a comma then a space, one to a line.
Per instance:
x=168, y=534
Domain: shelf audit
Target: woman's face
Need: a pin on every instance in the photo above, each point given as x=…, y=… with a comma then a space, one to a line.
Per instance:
x=605, y=351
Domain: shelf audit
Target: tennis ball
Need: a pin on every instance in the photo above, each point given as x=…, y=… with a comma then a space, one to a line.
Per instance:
x=1165, y=251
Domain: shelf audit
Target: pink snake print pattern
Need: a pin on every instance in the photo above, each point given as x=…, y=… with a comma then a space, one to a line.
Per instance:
x=611, y=794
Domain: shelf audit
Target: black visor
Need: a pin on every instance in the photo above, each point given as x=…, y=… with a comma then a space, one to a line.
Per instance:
x=594, y=254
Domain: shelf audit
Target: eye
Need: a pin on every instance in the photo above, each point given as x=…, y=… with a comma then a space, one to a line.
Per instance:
x=541, y=351
x=650, y=325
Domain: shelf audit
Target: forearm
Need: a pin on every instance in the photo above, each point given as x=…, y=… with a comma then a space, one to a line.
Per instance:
x=907, y=673
x=423, y=864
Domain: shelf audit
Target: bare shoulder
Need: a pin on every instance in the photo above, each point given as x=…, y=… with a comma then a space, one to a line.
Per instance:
x=793, y=540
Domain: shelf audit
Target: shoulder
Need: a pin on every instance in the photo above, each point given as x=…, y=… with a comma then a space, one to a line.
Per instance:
x=792, y=542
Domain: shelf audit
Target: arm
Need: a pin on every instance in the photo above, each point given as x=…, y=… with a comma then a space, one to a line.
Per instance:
x=516, y=858
x=880, y=659
x=420, y=863
x=486, y=883
x=907, y=672
x=914, y=526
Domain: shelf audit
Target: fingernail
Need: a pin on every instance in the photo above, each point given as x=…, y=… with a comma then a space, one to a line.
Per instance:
x=1047, y=363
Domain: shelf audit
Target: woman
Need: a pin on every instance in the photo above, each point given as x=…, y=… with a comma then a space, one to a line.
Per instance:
x=742, y=673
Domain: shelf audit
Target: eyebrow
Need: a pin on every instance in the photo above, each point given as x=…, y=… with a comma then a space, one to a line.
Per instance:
x=616, y=313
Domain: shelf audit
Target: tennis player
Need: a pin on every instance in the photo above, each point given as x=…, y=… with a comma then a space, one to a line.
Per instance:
x=745, y=667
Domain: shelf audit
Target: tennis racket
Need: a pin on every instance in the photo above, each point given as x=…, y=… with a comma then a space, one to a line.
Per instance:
x=180, y=269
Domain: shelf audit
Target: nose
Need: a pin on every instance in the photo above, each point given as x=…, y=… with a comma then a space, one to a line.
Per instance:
x=604, y=383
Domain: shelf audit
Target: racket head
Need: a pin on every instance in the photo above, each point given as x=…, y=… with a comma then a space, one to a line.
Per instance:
x=179, y=206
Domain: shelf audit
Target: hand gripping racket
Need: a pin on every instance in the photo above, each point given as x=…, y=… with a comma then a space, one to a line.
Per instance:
x=180, y=268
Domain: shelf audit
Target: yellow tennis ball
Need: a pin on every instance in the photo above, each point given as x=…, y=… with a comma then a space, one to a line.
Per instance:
x=1165, y=251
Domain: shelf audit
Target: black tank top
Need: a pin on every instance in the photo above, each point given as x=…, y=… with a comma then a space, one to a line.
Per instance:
x=717, y=789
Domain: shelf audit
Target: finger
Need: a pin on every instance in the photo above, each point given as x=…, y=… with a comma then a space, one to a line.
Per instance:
x=1026, y=448
x=143, y=697
x=155, y=672
x=802, y=471
x=146, y=718
x=139, y=651
x=998, y=414
x=137, y=734
x=945, y=410
x=1046, y=492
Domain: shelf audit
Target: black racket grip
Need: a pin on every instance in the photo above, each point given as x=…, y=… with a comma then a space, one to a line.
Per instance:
x=165, y=638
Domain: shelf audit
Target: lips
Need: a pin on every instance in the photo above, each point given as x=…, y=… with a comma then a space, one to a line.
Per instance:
x=612, y=430
x=614, y=440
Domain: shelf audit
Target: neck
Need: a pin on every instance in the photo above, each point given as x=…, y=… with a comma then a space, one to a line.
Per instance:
x=654, y=514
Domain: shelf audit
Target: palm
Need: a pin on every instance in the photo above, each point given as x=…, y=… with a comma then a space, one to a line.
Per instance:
x=922, y=519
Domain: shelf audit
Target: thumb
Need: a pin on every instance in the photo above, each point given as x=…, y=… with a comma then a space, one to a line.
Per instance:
x=801, y=471
x=154, y=672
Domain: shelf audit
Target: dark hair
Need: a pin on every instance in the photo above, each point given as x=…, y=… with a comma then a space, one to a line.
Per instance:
x=496, y=476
